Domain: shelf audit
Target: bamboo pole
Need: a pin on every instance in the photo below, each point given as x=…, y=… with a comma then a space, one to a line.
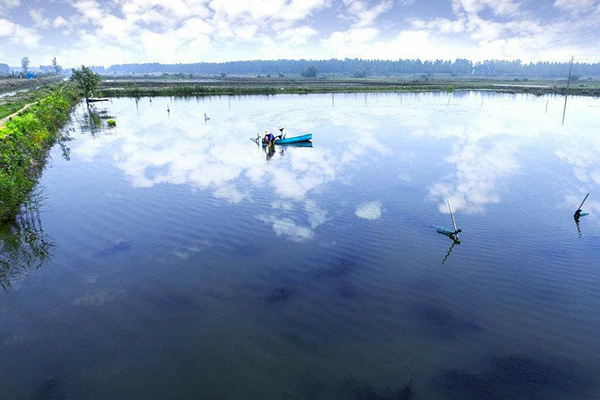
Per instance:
x=567, y=91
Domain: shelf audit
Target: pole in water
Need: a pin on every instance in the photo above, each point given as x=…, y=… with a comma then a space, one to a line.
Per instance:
x=567, y=91
x=456, y=230
x=578, y=212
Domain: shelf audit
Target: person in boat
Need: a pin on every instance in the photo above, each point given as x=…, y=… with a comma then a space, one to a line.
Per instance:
x=282, y=133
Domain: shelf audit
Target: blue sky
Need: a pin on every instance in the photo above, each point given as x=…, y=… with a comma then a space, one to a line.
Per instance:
x=107, y=32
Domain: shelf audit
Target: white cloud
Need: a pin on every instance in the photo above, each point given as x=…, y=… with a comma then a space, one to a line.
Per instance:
x=6, y=5
x=18, y=34
x=579, y=6
x=498, y=7
x=38, y=18
x=121, y=31
x=90, y=10
x=60, y=22
x=363, y=15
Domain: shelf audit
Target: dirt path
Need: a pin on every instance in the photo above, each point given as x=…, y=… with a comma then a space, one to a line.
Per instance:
x=6, y=119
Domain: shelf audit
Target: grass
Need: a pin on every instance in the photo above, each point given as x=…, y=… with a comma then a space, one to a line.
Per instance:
x=11, y=104
x=24, y=142
x=269, y=86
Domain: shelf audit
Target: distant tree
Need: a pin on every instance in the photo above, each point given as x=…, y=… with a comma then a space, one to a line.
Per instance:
x=57, y=69
x=25, y=65
x=360, y=73
x=309, y=72
x=86, y=80
x=223, y=75
x=4, y=69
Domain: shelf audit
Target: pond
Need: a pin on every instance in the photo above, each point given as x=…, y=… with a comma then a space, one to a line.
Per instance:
x=172, y=257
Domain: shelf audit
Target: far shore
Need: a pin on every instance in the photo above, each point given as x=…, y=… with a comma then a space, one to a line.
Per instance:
x=148, y=85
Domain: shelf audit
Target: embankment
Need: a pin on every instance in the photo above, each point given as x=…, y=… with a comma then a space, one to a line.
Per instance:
x=24, y=143
x=245, y=86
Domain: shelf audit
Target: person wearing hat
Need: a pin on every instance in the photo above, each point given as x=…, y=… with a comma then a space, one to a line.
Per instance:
x=283, y=132
x=269, y=137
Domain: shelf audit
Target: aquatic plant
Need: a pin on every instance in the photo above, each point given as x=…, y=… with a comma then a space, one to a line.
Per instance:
x=23, y=246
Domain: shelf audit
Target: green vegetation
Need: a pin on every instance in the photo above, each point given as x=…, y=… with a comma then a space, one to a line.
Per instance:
x=310, y=72
x=275, y=85
x=86, y=81
x=111, y=122
x=380, y=68
x=12, y=104
x=24, y=141
x=25, y=65
x=56, y=69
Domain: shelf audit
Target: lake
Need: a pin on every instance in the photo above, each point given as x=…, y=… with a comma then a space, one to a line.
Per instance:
x=173, y=257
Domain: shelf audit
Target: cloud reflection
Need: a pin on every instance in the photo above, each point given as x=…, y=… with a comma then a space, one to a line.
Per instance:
x=370, y=210
x=155, y=148
x=479, y=169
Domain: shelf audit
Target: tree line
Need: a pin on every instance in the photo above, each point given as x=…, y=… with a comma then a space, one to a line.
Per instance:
x=362, y=68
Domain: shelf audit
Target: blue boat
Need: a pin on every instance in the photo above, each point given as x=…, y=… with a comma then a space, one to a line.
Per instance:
x=296, y=139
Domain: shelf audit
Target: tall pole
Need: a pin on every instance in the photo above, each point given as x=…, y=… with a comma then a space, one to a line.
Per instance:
x=567, y=91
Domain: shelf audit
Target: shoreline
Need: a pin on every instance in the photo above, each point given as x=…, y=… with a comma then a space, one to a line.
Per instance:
x=147, y=87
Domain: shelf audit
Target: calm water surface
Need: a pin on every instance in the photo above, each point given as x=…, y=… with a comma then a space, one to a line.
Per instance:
x=171, y=257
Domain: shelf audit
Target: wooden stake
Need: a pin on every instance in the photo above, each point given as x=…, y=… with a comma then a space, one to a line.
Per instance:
x=567, y=91
x=452, y=216
x=586, y=196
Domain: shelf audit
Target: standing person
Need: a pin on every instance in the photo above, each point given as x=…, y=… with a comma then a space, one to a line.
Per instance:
x=282, y=132
x=269, y=137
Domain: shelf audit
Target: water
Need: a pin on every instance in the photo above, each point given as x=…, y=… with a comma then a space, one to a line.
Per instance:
x=171, y=257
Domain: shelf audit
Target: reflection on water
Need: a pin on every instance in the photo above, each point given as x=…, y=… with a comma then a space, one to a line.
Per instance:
x=187, y=259
x=24, y=246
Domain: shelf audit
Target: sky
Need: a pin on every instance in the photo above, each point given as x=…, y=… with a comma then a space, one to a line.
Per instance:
x=107, y=32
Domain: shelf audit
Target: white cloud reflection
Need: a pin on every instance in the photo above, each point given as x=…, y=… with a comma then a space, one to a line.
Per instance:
x=487, y=145
x=370, y=210
x=479, y=170
x=160, y=148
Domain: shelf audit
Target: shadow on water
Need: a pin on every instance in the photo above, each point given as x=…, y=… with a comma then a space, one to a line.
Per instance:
x=24, y=245
x=119, y=246
x=445, y=323
x=51, y=389
x=455, y=241
x=281, y=294
x=351, y=390
x=512, y=377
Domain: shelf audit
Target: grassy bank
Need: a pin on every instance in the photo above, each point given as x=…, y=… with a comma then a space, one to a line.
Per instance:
x=12, y=103
x=24, y=141
x=11, y=84
x=246, y=86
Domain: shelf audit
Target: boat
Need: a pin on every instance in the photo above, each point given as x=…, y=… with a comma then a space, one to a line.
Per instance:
x=295, y=139
x=308, y=143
